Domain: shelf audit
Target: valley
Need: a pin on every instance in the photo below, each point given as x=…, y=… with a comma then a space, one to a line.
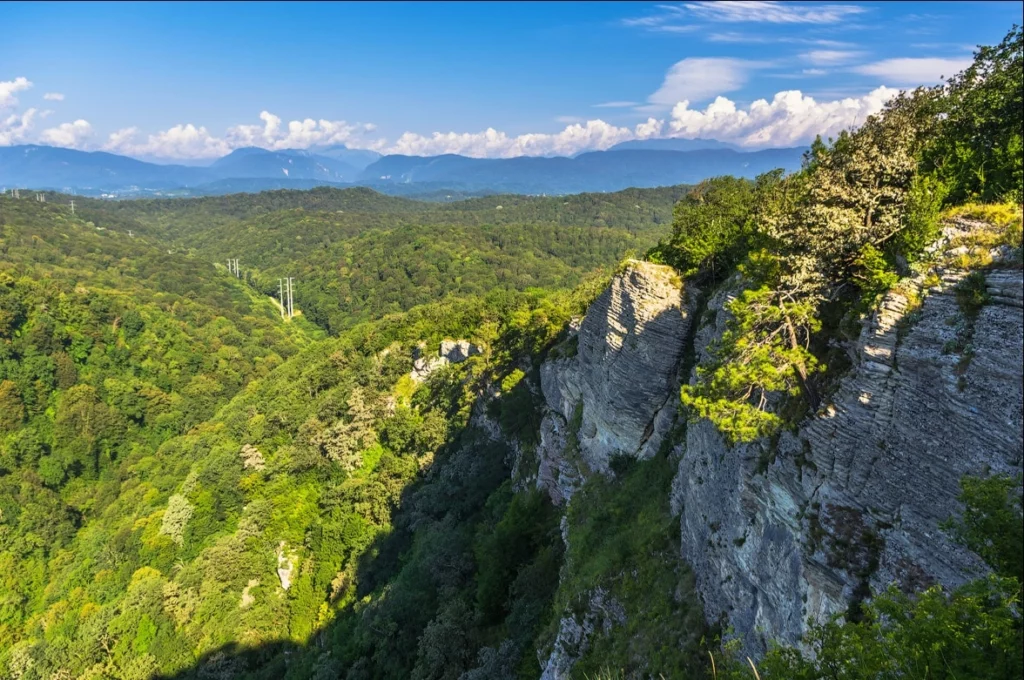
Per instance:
x=704, y=414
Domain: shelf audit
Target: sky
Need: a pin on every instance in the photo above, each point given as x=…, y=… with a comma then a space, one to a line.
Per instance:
x=192, y=81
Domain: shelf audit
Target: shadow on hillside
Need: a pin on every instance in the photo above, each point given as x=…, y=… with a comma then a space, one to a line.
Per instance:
x=377, y=566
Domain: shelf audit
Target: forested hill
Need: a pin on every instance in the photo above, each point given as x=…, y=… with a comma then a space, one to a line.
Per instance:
x=357, y=254
x=159, y=450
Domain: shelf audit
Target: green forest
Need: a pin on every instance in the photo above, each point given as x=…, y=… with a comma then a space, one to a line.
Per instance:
x=192, y=486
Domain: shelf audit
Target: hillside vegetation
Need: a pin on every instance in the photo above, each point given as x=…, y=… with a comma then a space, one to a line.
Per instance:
x=192, y=487
x=357, y=255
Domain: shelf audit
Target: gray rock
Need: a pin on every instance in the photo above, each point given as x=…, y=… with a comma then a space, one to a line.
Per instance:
x=625, y=372
x=603, y=612
x=451, y=352
x=457, y=351
x=856, y=495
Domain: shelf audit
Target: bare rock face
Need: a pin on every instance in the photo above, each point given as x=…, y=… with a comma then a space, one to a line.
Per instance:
x=853, y=500
x=451, y=352
x=574, y=632
x=618, y=394
x=457, y=351
x=285, y=565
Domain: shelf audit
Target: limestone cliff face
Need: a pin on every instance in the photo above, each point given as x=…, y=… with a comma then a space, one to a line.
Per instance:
x=849, y=502
x=616, y=394
x=619, y=393
x=854, y=498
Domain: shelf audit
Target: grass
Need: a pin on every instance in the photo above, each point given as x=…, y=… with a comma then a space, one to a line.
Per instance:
x=1005, y=228
x=623, y=538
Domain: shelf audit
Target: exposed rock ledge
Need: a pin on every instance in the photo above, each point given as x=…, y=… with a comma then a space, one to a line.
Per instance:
x=451, y=352
x=619, y=392
x=854, y=498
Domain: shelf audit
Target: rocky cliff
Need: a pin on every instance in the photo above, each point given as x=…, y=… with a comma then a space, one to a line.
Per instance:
x=852, y=501
x=813, y=520
x=617, y=391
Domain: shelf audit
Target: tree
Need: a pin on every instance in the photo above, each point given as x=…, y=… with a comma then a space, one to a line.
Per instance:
x=12, y=411
x=179, y=512
x=978, y=148
x=764, y=350
x=709, y=227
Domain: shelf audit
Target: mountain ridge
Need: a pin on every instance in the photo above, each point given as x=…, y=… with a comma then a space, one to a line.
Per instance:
x=101, y=173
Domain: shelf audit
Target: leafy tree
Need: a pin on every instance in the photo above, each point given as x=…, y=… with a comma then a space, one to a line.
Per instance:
x=978, y=150
x=710, y=226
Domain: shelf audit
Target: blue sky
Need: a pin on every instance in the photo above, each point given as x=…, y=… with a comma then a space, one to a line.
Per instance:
x=493, y=79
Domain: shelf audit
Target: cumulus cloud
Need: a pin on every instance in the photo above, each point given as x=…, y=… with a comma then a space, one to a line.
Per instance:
x=9, y=87
x=71, y=135
x=299, y=134
x=790, y=118
x=914, y=71
x=14, y=128
x=53, y=97
x=180, y=141
x=699, y=78
x=191, y=141
x=592, y=135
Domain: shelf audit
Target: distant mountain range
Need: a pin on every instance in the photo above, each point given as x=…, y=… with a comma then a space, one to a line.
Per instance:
x=642, y=163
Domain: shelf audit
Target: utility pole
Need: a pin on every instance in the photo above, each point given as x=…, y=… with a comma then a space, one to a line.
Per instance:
x=291, y=300
x=280, y=294
x=130, y=234
x=72, y=206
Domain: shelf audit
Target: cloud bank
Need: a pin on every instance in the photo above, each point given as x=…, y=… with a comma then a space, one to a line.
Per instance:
x=790, y=118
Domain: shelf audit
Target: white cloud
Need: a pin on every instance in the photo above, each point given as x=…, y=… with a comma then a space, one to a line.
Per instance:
x=790, y=118
x=754, y=38
x=300, y=134
x=594, y=134
x=53, y=97
x=690, y=16
x=568, y=119
x=615, y=105
x=71, y=135
x=9, y=87
x=180, y=141
x=14, y=129
x=831, y=57
x=914, y=71
x=729, y=11
x=699, y=78
x=190, y=141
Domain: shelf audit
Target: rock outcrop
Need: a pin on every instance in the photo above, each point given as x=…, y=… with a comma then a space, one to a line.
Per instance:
x=800, y=526
x=617, y=393
x=853, y=499
x=575, y=632
x=451, y=352
x=285, y=565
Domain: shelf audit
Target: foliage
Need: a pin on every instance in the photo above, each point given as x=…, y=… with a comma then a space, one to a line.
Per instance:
x=764, y=350
x=357, y=255
x=978, y=150
x=709, y=227
x=862, y=205
x=992, y=524
x=971, y=633
x=623, y=539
